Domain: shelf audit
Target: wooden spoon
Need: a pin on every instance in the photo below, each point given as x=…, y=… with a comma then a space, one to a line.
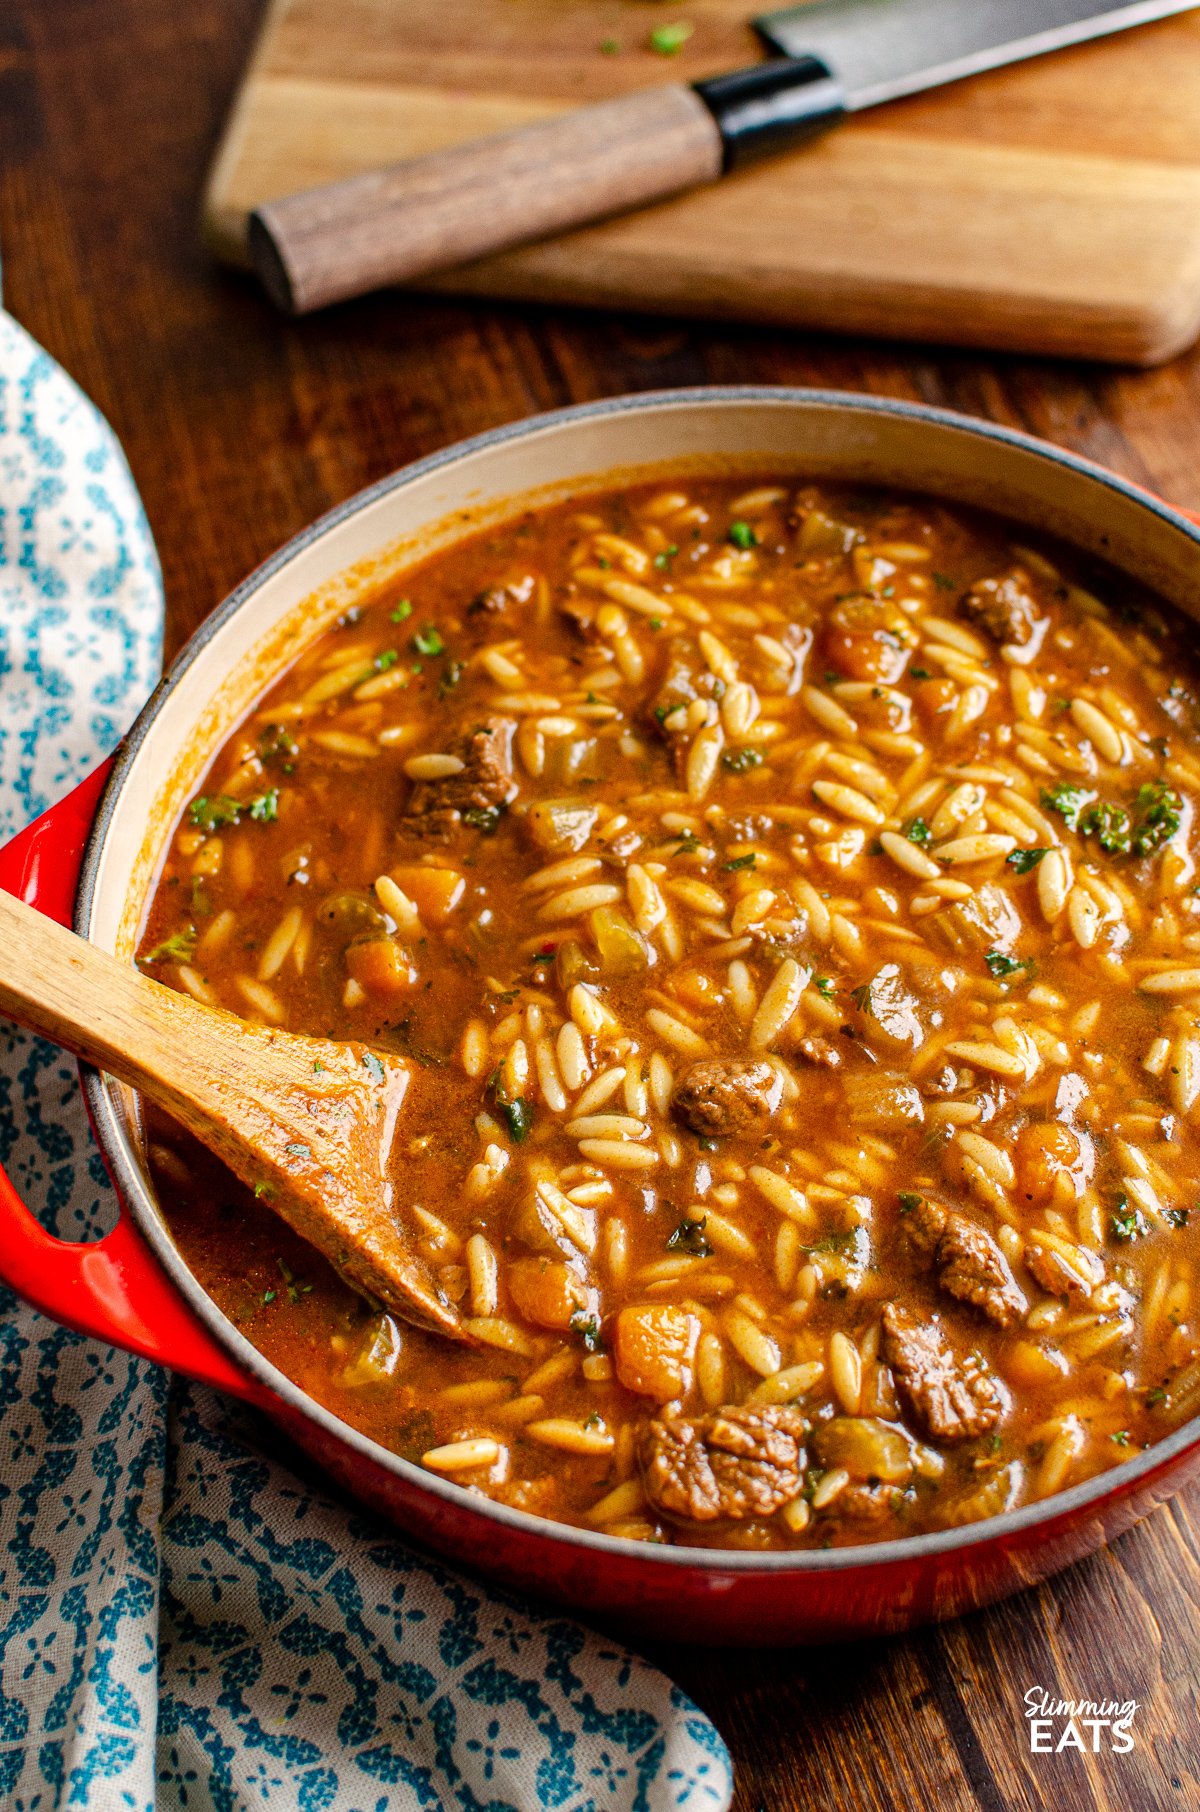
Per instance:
x=307, y=1123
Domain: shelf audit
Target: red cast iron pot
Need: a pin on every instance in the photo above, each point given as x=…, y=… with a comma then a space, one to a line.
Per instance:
x=91, y=859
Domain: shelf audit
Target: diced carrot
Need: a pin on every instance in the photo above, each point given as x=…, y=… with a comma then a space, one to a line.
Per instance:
x=434, y=891
x=546, y=1293
x=654, y=1350
x=380, y=966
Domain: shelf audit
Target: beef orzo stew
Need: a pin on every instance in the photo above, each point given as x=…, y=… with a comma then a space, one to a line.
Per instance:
x=784, y=898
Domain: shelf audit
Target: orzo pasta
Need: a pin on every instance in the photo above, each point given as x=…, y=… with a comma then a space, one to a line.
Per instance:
x=785, y=898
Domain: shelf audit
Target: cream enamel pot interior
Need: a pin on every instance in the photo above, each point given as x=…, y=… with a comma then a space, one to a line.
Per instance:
x=148, y=1300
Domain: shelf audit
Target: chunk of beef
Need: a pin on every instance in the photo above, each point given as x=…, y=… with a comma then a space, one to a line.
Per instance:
x=955, y=1399
x=1073, y=1275
x=872, y=1504
x=498, y=600
x=1002, y=608
x=581, y=618
x=820, y=1051
x=733, y=1464
x=724, y=1095
x=868, y=638
x=970, y=1265
x=484, y=783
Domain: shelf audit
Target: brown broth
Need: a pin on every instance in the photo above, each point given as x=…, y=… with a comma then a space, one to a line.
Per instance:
x=983, y=1081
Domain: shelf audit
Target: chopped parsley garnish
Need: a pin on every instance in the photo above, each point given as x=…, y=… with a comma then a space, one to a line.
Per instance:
x=861, y=996
x=740, y=761
x=747, y=861
x=386, y=658
x=742, y=535
x=588, y=1329
x=689, y=843
x=909, y=1201
x=518, y=1117
x=919, y=673
x=944, y=582
x=428, y=642
x=220, y=812
x=669, y=40
x=1110, y=825
x=372, y=1065
x=214, y=814
x=1155, y=1396
x=1161, y=808
x=452, y=672
x=295, y=1288
x=663, y=559
x=689, y=1237
x=1178, y=1217
x=824, y=986
x=263, y=1191
x=1067, y=800
x=277, y=744
x=180, y=947
x=1023, y=860
x=299, y=1151
x=1126, y=1223
x=268, y=1296
x=999, y=964
x=917, y=831
x=1122, y=1437
x=402, y=611
x=485, y=818
x=1153, y=820
x=265, y=808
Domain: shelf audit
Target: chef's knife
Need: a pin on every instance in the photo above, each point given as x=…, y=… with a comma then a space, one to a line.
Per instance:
x=837, y=57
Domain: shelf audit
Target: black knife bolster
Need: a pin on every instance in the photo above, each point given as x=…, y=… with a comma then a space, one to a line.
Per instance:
x=771, y=106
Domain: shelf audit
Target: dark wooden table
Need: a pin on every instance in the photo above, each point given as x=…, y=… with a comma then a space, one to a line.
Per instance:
x=240, y=429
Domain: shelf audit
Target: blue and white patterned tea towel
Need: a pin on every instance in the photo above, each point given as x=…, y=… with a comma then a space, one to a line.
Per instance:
x=184, y=1625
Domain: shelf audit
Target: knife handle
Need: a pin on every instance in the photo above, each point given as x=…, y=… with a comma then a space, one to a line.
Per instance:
x=430, y=213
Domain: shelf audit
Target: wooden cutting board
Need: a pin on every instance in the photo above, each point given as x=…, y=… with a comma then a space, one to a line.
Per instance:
x=1053, y=207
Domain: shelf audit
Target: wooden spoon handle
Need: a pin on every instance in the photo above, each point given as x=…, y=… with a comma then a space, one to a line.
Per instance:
x=82, y=998
x=425, y=215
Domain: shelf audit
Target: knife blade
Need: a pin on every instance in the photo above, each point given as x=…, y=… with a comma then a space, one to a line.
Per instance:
x=839, y=56
x=882, y=50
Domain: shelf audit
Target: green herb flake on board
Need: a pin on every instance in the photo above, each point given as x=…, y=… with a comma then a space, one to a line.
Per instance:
x=669, y=40
x=917, y=831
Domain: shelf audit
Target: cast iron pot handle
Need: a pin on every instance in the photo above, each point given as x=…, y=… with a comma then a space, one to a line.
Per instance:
x=112, y=1289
